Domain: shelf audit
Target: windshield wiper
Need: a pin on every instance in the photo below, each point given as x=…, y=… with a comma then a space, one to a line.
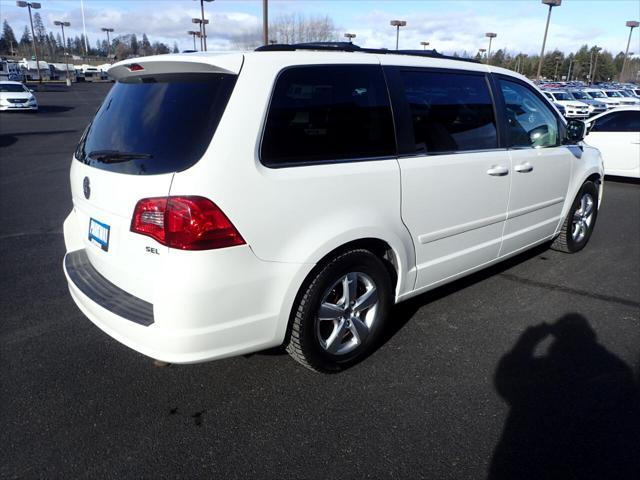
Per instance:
x=115, y=156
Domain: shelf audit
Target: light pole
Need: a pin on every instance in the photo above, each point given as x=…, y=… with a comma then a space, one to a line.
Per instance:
x=194, y=34
x=424, y=45
x=631, y=24
x=35, y=6
x=108, y=30
x=569, y=71
x=203, y=22
x=201, y=25
x=555, y=74
x=592, y=65
x=350, y=36
x=491, y=36
x=397, y=24
x=265, y=22
x=595, y=62
x=551, y=3
x=64, y=47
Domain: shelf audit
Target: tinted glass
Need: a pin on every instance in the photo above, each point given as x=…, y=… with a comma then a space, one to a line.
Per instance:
x=13, y=88
x=580, y=95
x=530, y=121
x=450, y=112
x=156, y=124
x=329, y=112
x=618, y=122
x=597, y=94
x=562, y=96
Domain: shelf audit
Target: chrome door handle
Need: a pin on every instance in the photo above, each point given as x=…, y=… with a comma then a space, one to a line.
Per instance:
x=498, y=171
x=523, y=167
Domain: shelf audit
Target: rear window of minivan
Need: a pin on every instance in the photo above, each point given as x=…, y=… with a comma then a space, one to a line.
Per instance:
x=156, y=124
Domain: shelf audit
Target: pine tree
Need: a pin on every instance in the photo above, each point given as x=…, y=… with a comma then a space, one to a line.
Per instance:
x=38, y=28
x=9, y=42
x=175, y=47
x=145, y=48
x=134, y=44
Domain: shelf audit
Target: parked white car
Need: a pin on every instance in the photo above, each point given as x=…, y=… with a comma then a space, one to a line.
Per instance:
x=612, y=102
x=16, y=96
x=617, y=135
x=573, y=108
x=287, y=204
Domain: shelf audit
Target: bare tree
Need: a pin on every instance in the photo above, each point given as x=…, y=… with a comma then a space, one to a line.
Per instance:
x=292, y=29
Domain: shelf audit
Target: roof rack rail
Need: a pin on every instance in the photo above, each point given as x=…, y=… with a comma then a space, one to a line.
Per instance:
x=350, y=47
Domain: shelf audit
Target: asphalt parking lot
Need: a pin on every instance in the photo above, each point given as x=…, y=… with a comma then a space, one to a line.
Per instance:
x=467, y=384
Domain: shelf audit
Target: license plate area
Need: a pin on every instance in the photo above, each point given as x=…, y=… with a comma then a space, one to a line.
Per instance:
x=99, y=234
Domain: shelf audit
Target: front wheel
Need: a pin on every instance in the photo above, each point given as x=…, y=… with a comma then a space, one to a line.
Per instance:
x=580, y=221
x=338, y=316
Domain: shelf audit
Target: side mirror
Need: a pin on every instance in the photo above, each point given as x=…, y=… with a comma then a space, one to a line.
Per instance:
x=576, y=130
x=31, y=90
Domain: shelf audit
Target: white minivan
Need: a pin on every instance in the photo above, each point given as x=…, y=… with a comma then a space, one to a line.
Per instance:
x=225, y=204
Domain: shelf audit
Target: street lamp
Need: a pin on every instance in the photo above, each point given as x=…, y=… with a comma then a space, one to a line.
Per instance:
x=631, y=24
x=350, y=36
x=203, y=22
x=108, y=30
x=64, y=47
x=35, y=6
x=592, y=64
x=491, y=36
x=551, y=3
x=194, y=34
x=555, y=75
x=398, y=24
x=424, y=45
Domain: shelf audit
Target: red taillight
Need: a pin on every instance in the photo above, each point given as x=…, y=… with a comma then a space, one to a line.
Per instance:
x=135, y=67
x=187, y=223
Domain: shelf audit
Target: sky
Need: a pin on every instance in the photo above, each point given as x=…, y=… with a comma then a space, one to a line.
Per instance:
x=449, y=26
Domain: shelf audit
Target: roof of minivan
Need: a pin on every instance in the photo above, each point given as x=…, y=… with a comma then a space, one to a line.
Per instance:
x=231, y=62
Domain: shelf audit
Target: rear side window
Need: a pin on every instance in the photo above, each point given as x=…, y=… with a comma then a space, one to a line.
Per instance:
x=618, y=122
x=156, y=124
x=450, y=112
x=328, y=113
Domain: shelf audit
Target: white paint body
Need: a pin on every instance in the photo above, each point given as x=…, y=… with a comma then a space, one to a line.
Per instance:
x=17, y=101
x=620, y=150
x=442, y=217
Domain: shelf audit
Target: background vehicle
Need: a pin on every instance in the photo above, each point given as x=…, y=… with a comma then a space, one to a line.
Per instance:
x=16, y=96
x=624, y=100
x=306, y=224
x=595, y=106
x=617, y=135
x=10, y=71
x=611, y=102
x=573, y=107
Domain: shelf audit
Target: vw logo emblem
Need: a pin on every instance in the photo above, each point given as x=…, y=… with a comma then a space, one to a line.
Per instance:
x=86, y=187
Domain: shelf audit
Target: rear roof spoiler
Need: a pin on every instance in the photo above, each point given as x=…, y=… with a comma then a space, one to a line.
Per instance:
x=186, y=63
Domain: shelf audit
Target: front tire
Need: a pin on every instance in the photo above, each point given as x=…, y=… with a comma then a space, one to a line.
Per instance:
x=339, y=313
x=580, y=221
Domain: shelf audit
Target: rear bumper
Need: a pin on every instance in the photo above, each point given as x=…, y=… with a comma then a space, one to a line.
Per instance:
x=192, y=321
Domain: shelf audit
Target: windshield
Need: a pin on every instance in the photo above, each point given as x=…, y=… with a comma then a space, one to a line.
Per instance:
x=562, y=96
x=613, y=94
x=13, y=88
x=156, y=124
x=624, y=94
x=597, y=94
x=581, y=95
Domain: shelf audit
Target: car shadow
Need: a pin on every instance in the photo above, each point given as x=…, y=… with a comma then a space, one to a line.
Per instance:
x=6, y=140
x=54, y=109
x=574, y=410
x=403, y=312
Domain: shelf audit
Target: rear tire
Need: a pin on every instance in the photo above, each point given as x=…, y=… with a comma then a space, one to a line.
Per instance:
x=580, y=222
x=339, y=313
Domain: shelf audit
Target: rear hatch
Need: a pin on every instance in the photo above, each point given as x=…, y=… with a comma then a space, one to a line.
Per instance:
x=159, y=118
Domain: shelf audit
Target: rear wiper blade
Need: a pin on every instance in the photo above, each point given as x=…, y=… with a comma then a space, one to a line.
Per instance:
x=115, y=156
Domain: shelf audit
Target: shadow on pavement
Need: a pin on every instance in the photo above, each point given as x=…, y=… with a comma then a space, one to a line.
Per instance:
x=574, y=409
